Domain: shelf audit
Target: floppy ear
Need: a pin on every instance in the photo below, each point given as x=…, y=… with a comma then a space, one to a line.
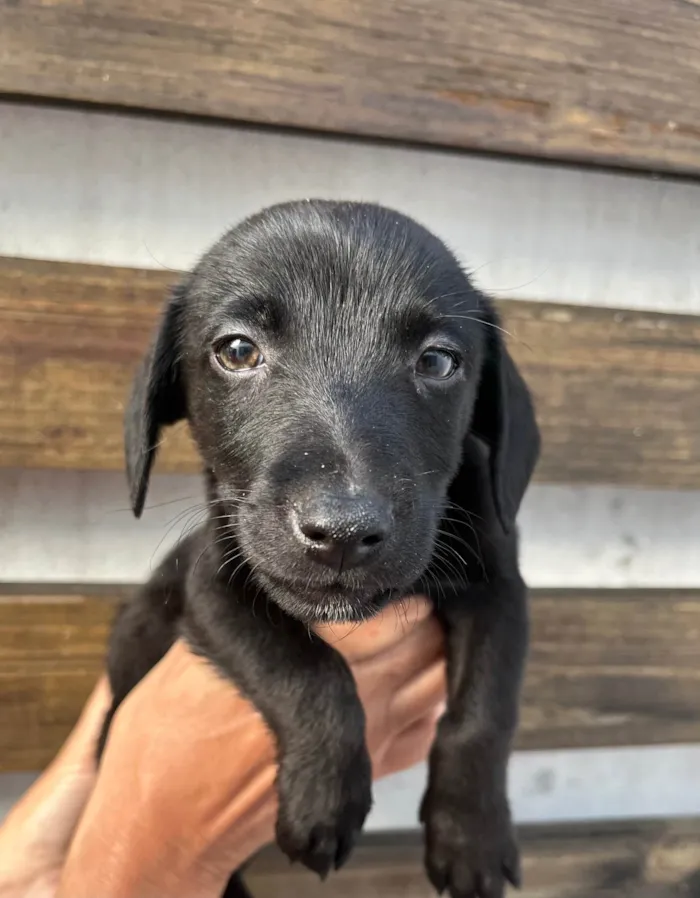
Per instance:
x=157, y=399
x=504, y=418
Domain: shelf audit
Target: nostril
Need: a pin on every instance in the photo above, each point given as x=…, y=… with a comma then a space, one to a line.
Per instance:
x=314, y=534
x=341, y=531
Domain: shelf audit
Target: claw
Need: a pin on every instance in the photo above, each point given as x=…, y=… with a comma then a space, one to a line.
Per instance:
x=344, y=848
x=513, y=872
x=319, y=864
x=438, y=880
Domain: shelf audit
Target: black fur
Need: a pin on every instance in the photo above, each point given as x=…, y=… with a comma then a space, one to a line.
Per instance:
x=342, y=299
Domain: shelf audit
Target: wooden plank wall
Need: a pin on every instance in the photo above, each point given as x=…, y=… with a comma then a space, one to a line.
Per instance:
x=616, y=391
x=600, y=83
x=607, y=667
x=607, y=81
x=648, y=859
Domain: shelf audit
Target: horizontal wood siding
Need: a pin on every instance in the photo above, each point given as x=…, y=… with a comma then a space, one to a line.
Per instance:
x=659, y=859
x=607, y=81
x=607, y=667
x=616, y=392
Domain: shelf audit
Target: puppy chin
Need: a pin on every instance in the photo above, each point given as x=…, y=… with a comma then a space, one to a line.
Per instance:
x=324, y=604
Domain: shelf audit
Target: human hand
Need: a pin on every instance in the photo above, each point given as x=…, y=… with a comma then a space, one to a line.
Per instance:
x=176, y=816
x=36, y=834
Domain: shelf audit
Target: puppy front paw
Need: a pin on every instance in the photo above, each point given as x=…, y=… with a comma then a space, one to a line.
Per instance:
x=471, y=850
x=322, y=808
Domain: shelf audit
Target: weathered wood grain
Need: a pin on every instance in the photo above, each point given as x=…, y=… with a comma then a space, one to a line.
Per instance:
x=612, y=667
x=659, y=859
x=70, y=340
x=607, y=81
x=616, y=392
x=606, y=667
x=52, y=647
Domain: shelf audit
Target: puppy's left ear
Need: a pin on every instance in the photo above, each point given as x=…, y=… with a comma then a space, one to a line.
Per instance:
x=157, y=399
x=504, y=418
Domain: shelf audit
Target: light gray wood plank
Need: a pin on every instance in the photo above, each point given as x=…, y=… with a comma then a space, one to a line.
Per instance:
x=107, y=188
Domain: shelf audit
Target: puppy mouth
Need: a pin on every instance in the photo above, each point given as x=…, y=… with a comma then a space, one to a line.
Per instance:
x=332, y=602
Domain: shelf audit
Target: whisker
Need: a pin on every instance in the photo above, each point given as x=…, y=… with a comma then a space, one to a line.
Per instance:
x=482, y=321
x=447, y=567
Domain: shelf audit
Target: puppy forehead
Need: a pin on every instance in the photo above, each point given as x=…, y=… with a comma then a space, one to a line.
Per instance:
x=339, y=264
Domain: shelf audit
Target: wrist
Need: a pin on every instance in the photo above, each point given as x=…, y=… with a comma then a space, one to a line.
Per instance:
x=35, y=835
x=151, y=853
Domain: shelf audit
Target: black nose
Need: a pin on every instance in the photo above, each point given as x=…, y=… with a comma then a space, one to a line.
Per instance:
x=342, y=531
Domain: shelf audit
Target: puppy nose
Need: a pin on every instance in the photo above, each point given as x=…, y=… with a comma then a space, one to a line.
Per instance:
x=342, y=531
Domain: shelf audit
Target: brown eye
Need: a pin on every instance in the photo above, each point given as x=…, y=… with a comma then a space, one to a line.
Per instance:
x=437, y=364
x=239, y=354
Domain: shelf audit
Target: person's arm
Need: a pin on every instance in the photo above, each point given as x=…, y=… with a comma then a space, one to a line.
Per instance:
x=185, y=792
x=36, y=834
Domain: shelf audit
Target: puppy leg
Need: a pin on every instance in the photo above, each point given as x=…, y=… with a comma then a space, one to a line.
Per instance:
x=470, y=848
x=307, y=696
x=143, y=631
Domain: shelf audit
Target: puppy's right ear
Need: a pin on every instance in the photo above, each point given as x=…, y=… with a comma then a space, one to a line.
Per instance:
x=157, y=399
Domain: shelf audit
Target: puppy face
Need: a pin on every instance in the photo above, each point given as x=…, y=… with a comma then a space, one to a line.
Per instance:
x=329, y=357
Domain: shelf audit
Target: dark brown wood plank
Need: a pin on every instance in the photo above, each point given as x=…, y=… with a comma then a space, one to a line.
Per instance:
x=606, y=667
x=612, y=667
x=606, y=81
x=71, y=339
x=52, y=647
x=643, y=859
x=616, y=392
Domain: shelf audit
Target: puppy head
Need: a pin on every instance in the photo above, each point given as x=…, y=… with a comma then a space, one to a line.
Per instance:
x=331, y=359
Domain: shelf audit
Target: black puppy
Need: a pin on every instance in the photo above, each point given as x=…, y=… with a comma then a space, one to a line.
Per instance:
x=364, y=434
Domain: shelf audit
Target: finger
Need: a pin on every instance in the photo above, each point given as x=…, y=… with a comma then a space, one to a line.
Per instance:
x=400, y=652
x=80, y=745
x=409, y=748
x=391, y=669
x=387, y=628
x=377, y=634
x=421, y=695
